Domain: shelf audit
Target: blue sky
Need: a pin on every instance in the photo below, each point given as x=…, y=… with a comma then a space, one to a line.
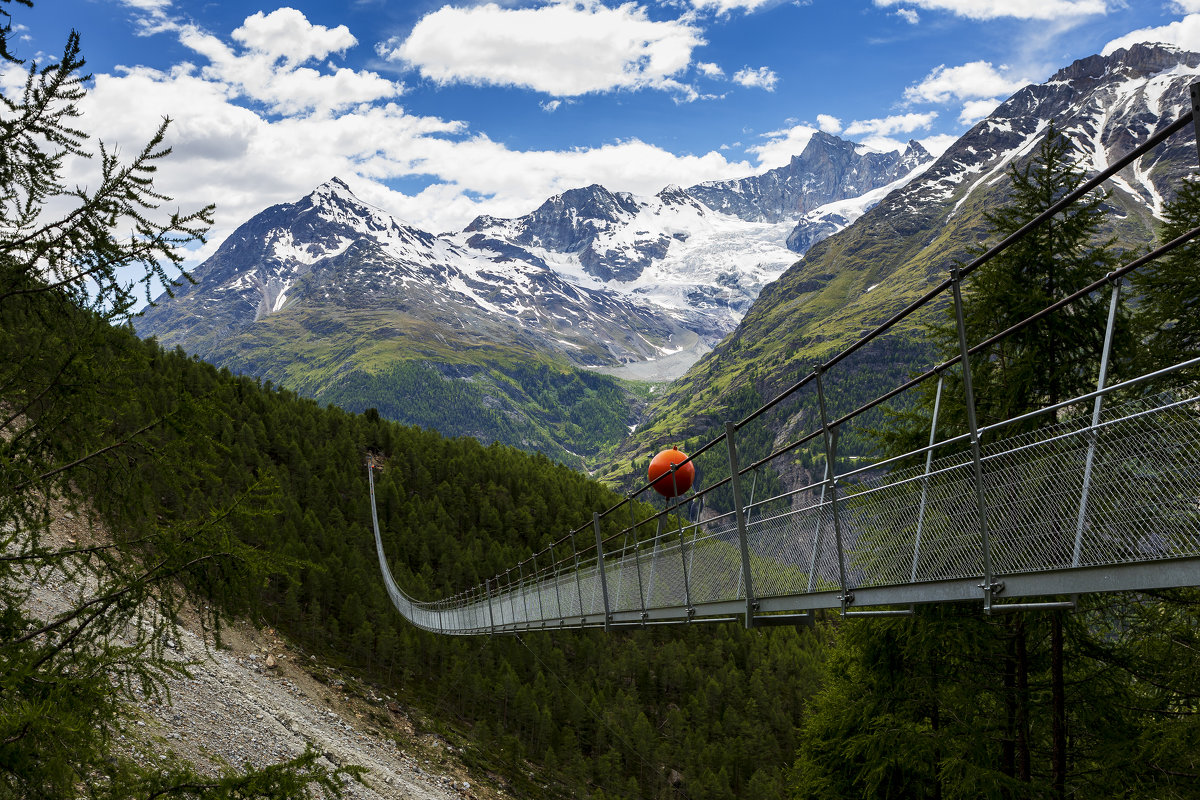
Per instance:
x=439, y=111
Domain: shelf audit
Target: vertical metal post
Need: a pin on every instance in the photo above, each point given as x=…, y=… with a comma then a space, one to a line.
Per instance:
x=538, y=583
x=1093, y=434
x=600, y=567
x=636, y=560
x=989, y=585
x=740, y=515
x=578, y=580
x=687, y=587
x=937, y=404
x=830, y=436
x=753, y=486
x=487, y=587
x=557, y=589
x=512, y=597
x=812, y=564
x=521, y=583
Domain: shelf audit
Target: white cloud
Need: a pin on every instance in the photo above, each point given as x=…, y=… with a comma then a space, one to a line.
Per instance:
x=781, y=145
x=973, y=80
x=551, y=106
x=245, y=135
x=285, y=88
x=938, y=144
x=563, y=49
x=975, y=110
x=709, y=70
x=286, y=34
x=1183, y=33
x=887, y=126
x=726, y=6
x=761, y=78
x=908, y=15
x=150, y=6
x=829, y=124
x=1019, y=9
x=1186, y=6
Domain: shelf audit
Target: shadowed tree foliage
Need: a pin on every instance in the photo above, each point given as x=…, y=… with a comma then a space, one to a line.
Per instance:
x=67, y=680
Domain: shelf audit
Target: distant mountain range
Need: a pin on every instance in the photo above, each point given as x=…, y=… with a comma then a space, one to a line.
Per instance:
x=854, y=280
x=519, y=317
x=336, y=299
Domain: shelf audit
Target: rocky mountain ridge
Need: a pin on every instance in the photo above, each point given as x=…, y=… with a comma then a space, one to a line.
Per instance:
x=1105, y=106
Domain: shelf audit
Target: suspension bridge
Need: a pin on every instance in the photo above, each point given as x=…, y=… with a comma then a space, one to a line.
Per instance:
x=1098, y=493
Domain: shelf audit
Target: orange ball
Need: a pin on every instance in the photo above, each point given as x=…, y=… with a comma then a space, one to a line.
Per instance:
x=660, y=473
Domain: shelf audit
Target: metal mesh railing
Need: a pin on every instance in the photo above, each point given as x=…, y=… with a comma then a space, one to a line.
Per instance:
x=1057, y=500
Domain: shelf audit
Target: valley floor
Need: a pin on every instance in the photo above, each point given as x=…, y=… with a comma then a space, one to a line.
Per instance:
x=691, y=349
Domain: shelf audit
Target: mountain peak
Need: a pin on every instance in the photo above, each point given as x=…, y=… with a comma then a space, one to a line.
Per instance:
x=333, y=189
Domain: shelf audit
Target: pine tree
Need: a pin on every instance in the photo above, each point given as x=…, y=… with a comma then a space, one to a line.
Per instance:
x=1167, y=319
x=66, y=682
x=971, y=743
x=1049, y=361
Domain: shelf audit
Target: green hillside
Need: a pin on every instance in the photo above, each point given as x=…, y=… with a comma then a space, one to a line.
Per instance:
x=843, y=287
x=418, y=373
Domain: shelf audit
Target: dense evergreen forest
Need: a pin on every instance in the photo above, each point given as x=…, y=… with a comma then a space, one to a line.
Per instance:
x=619, y=716
x=249, y=500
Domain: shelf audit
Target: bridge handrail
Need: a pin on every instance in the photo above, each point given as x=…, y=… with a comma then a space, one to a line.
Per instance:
x=596, y=556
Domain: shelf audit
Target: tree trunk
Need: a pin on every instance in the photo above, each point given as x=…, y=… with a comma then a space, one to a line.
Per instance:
x=1024, y=764
x=1008, y=750
x=1059, y=721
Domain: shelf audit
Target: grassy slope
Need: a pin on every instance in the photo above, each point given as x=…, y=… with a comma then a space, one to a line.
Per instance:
x=418, y=373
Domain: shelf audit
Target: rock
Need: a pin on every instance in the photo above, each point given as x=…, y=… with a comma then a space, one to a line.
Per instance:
x=270, y=662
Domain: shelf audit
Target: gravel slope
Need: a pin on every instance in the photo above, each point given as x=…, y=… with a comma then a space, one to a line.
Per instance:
x=256, y=701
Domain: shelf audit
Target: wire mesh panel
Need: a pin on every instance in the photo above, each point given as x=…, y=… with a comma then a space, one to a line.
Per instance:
x=1072, y=493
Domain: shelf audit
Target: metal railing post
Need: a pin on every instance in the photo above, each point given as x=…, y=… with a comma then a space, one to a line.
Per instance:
x=937, y=404
x=578, y=580
x=636, y=560
x=487, y=587
x=600, y=566
x=830, y=436
x=989, y=585
x=740, y=515
x=521, y=583
x=557, y=588
x=812, y=564
x=512, y=597
x=687, y=587
x=1094, y=432
x=538, y=584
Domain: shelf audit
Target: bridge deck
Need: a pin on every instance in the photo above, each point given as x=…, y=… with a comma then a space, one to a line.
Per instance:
x=1078, y=506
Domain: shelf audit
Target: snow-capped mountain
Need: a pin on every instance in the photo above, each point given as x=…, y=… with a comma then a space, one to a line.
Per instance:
x=853, y=280
x=668, y=251
x=332, y=250
x=829, y=185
